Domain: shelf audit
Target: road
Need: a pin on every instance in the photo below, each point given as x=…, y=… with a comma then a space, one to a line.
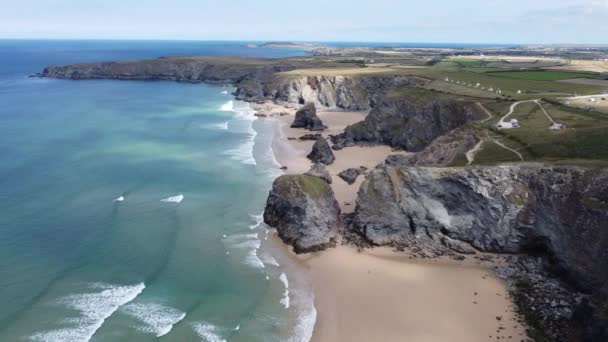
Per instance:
x=537, y=101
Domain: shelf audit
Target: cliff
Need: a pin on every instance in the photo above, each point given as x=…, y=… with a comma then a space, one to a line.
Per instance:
x=409, y=119
x=256, y=79
x=339, y=92
x=556, y=213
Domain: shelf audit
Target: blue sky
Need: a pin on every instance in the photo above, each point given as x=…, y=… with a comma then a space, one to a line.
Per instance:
x=475, y=21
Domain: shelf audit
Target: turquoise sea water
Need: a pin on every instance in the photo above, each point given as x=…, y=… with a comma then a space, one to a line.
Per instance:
x=130, y=211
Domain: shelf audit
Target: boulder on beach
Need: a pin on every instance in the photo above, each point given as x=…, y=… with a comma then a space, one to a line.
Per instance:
x=313, y=137
x=307, y=118
x=350, y=175
x=321, y=152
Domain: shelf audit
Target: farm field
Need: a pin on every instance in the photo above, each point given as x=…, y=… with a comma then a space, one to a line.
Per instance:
x=543, y=75
x=583, y=138
x=587, y=81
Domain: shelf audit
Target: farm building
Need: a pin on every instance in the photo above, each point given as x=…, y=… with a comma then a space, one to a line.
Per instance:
x=514, y=123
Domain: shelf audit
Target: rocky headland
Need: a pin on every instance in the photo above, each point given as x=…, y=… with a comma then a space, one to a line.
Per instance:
x=548, y=223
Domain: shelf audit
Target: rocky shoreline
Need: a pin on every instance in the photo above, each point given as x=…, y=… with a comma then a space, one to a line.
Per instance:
x=549, y=224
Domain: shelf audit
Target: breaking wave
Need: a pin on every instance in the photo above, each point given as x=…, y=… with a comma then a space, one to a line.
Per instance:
x=258, y=221
x=285, y=299
x=157, y=319
x=227, y=107
x=208, y=332
x=248, y=244
x=173, y=199
x=93, y=308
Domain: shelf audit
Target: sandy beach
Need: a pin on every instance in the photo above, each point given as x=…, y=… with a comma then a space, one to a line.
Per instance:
x=382, y=295
x=291, y=152
x=379, y=295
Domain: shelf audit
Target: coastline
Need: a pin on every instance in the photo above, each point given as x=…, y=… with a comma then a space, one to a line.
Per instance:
x=393, y=296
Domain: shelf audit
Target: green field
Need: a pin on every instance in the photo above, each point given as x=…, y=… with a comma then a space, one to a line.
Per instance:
x=491, y=153
x=542, y=75
x=584, y=138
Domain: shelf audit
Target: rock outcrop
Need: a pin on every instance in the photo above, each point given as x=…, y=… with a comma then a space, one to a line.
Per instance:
x=306, y=117
x=319, y=170
x=304, y=211
x=312, y=137
x=409, y=119
x=321, y=152
x=557, y=213
x=446, y=150
x=350, y=175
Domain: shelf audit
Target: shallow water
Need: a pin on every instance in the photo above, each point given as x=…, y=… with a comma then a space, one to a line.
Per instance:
x=131, y=210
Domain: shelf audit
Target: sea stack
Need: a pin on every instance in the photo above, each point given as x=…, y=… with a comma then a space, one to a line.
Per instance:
x=304, y=211
x=307, y=118
x=321, y=152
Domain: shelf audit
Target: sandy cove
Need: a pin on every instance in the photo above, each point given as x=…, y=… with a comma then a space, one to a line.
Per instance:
x=382, y=295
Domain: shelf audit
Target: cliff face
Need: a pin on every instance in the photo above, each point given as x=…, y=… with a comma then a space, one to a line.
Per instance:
x=443, y=151
x=340, y=92
x=559, y=211
x=410, y=121
x=555, y=219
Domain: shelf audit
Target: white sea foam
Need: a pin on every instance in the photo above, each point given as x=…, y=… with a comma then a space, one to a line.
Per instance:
x=247, y=244
x=244, y=152
x=93, y=308
x=258, y=221
x=173, y=199
x=157, y=319
x=285, y=299
x=228, y=106
x=119, y=199
x=208, y=332
x=237, y=328
x=221, y=126
x=305, y=324
x=269, y=260
x=225, y=92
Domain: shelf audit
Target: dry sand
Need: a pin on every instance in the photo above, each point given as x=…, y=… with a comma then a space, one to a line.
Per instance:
x=380, y=295
x=292, y=153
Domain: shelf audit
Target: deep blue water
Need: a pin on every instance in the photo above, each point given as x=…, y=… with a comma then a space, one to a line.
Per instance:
x=182, y=256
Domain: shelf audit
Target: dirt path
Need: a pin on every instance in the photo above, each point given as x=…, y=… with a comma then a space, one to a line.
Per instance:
x=508, y=148
x=512, y=109
x=472, y=152
x=490, y=116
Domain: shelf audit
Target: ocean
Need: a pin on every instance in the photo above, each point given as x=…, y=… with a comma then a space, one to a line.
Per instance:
x=131, y=211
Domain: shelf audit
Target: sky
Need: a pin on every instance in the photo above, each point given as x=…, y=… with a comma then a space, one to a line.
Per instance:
x=448, y=21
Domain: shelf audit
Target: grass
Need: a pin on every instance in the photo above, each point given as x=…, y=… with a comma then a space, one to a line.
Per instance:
x=543, y=75
x=491, y=153
x=313, y=186
x=584, y=138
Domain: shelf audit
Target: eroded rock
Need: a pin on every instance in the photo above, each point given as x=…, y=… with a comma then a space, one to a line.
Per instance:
x=321, y=152
x=350, y=175
x=304, y=211
x=319, y=170
x=306, y=117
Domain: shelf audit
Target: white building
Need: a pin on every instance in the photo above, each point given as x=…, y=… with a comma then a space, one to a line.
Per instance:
x=514, y=123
